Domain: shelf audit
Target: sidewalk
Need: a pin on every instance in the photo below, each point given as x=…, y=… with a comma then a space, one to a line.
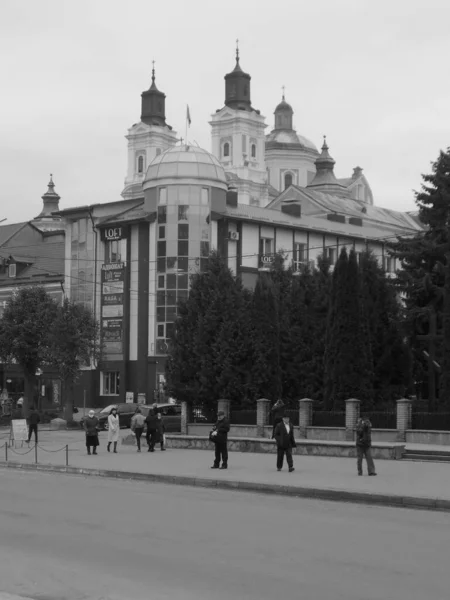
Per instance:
x=413, y=484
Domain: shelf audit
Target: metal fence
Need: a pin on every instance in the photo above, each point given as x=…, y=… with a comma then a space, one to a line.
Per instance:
x=382, y=419
x=431, y=421
x=325, y=418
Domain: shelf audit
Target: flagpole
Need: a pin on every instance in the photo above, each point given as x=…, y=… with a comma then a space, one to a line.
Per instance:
x=187, y=123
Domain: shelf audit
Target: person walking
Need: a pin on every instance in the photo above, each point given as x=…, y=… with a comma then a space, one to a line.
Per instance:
x=220, y=438
x=161, y=432
x=277, y=411
x=152, y=429
x=90, y=427
x=33, y=421
x=284, y=436
x=364, y=445
x=113, y=429
x=137, y=426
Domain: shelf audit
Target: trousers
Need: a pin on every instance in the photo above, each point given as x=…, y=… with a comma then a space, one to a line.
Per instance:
x=31, y=429
x=221, y=454
x=138, y=433
x=367, y=453
x=281, y=452
x=151, y=439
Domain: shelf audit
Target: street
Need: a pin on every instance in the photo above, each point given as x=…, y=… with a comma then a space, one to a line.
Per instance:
x=69, y=538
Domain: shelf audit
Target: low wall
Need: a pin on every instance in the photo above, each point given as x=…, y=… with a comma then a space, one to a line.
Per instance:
x=386, y=451
x=418, y=436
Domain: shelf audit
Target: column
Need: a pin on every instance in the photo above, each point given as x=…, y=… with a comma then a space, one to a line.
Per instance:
x=262, y=415
x=186, y=414
x=224, y=405
x=305, y=416
x=352, y=407
x=404, y=410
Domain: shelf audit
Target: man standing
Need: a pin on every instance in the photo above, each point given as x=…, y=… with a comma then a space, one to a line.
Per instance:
x=33, y=420
x=363, y=445
x=91, y=429
x=137, y=426
x=221, y=429
x=152, y=429
x=284, y=436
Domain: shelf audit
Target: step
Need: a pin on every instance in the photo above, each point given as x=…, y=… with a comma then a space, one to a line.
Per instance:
x=426, y=457
x=424, y=452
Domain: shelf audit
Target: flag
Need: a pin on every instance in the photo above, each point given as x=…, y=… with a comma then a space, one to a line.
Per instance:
x=188, y=115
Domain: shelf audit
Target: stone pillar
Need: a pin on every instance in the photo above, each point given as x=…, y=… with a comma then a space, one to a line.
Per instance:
x=186, y=417
x=404, y=418
x=305, y=416
x=352, y=406
x=262, y=415
x=225, y=406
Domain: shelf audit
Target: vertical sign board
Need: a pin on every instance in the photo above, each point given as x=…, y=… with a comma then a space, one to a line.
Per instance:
x=113, y=281
x=19, y=430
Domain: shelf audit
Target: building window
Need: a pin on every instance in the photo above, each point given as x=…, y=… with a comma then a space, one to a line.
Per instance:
x=244, y=143
x=162, y=232
x=12, y=270
x=266, y=246
x=287, y=180
x=110, y=383
x=330, y=255
x=299, y=253
x=253, y=150
x=115, y=251
x=161, y=281
x=204, y=199
x=226, y=149
x=162, y=196
x=183, y=212
x=389, y=264
x=140, y=164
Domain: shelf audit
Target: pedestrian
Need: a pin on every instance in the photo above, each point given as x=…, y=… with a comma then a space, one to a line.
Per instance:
x=161, y=432
x=33, y=420
x=152, y=429
x=284, y=437
x=137, y=426
x=220, y=438
x=113, y=429
x=277, y=414
x=91, y=428
x=364, y=445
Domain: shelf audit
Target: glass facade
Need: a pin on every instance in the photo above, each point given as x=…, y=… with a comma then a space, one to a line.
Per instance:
x=182, y=248
x=82, y=263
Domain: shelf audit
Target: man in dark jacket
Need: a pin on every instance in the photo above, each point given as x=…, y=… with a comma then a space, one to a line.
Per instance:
x=277, y=411
x=152, y=429
x=221, y=429
x=33, y=420
x=363, y=445
x=284, y=437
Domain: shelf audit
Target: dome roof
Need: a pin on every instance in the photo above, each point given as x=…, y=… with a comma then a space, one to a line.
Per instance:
x=286, y=136
x=185, y=162
x=284, y=106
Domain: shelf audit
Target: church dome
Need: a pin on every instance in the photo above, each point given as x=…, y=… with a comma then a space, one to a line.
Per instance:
x=284, y=107
x=185, y=162
x=289, y=136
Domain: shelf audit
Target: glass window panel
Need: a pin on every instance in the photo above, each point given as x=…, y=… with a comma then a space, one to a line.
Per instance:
x=162, y=231
x=172, y=196
x=161, y=281
x=183, y=232
x=204, y=249
x=161, y=249
x=203, y=264
x=160, y=333
x=162, y=196
x=171, y=313
x=182, y=294
x=161, y=314
x=162, y=214
x=167, y=169
x=207, y=171
x=171, y=263
x=171, y=281
x=161, y=265
x=184, y=194
x=161, y=346
x=183, y=248
x=205, y=196
x=183, y=263
x=171, y=297
x=205, y=233
x=183, y=282
x=183, y=212
x=161, y=298
x=170, y=328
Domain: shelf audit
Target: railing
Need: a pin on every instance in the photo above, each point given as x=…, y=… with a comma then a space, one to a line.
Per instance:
x=431, y=421
x=243, y=417
x=382, y=419
x=10, y=450
x=325, y=418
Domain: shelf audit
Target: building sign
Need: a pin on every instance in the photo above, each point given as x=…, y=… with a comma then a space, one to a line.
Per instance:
x=265, y=260
x=112, y=234
x=112, y=311
x=112, y=330
x=111, y=299
x=113, y=296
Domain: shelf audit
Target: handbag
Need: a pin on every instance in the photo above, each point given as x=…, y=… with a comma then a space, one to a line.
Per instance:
x=212, y=435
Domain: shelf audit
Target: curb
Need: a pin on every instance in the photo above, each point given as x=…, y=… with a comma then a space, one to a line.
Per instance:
x=412, y=502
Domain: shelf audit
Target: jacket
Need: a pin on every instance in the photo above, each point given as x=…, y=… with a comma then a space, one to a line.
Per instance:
x=161, y=426
x=278, y=412
x=152, y=421
x=364, y=435
x=34, y=418
x=222, y=427
x=137, y=422
x=284, y=439
x=90, y=425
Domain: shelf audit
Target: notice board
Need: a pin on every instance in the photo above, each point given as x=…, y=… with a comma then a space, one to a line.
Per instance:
x=19, y=430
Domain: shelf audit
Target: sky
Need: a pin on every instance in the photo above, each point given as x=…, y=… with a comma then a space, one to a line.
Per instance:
x=371, y=76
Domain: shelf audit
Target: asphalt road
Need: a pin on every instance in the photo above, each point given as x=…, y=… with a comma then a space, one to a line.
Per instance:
x=69, y=538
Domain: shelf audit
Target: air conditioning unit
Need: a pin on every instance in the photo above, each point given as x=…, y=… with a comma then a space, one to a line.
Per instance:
x=233, y=235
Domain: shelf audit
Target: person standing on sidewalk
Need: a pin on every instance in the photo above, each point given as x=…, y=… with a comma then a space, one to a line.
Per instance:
x=277, y=411
x=137, y=426
x=364, y=445
x=284, y=436
x=90, y=427
x=33, y=421
x=221, y=429
x=113, y=429
x=152, y=429
x=161, y=431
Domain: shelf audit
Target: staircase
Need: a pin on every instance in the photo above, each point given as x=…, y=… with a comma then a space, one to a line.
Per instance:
x=428, y=455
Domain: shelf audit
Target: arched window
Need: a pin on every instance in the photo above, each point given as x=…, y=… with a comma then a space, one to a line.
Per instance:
x=253, y=150
x=287, y=180
x=226, y=149
x=141, y=164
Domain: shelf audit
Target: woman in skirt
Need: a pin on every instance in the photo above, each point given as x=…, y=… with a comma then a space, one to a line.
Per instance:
x=113, y=429
x=90, y=427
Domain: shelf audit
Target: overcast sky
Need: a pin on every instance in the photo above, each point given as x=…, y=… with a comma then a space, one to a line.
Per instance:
x=372, y=76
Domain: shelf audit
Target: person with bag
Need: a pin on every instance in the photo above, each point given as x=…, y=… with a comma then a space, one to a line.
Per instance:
x=161, y=432
x=284, y=436
x=363, y=446
x=137, y=426
x=152, y=429
x=113, y=429
x=90, y=427
x=219, y=436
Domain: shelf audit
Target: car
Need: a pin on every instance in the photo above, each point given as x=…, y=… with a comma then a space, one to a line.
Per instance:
x=171, y=414
x=125, y=411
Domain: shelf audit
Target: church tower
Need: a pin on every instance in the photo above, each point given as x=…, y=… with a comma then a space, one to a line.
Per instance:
x=238, y=139
x=146, y=139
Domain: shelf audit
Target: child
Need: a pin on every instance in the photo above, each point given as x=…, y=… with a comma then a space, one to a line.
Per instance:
x=284, y=437
x=161, y=430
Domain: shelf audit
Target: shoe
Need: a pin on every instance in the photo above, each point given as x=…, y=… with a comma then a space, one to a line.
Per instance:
x=372, y=474
x=214, y=467
x=138, y=449
x=224, y=467
x=163, y=449
x=95, y=453
x=278, y=469
x=360, y=474
x=89, y=453
x=149, y=450
x=291, y=469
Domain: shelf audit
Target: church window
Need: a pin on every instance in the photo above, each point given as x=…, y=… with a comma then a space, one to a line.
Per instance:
x=158, y=151
x=141, y=164
x=287, y=180
x=253, y=150
x=246, y=90
x=244, y=143
x=226, y=149
x=12, y=270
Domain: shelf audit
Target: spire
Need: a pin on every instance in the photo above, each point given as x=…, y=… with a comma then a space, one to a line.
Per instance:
x=51, y=201
x=153, y=104
x=153, y=86
x=237, y=87
x=325, y=179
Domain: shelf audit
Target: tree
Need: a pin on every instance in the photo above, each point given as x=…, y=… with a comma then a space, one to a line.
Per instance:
x=348, y=369
x=24, y=333
x=73, y=342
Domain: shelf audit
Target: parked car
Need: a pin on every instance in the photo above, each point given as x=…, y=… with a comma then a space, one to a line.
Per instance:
x=171, y=413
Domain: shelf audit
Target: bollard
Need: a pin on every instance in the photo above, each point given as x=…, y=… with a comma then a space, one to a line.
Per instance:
x=67, y=455
x=35, y=453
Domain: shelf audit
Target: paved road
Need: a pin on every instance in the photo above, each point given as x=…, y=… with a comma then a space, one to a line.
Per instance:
x=69, y=538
